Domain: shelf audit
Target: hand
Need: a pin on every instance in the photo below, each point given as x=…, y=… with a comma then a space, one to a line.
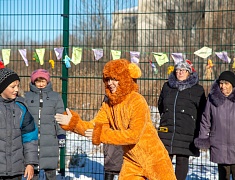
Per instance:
x=62, y=118
x=29, y=172
x=88, y=133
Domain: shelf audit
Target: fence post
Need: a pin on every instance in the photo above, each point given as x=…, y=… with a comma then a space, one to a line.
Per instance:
x=64, y=73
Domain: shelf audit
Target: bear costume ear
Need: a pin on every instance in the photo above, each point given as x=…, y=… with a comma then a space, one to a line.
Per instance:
x=134, y=70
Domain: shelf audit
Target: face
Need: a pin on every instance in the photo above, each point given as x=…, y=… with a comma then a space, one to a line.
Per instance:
x=112, y=84
x=182, y=74
x=11, y=91
x=40, y=83
x=225, y=87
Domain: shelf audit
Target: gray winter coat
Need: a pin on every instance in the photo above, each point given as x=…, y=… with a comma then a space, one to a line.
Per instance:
x=48, y=128
x=18, y=137
x=218, y=124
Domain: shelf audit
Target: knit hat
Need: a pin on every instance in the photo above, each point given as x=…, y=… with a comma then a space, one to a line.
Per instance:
x=7, y=76
x=227, y=76
x=40, y=73
x=187, y=65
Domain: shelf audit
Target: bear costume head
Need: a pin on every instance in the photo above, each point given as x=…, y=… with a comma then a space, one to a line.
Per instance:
x=126, y=73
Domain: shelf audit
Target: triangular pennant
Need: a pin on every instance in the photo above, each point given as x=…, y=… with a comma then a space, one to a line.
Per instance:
x=6, y=56
x=35, y=57
x=116, y=54
x=223, y=56
x=135, y=56
x=66, y=61
x=52, y=62
x=203, y=52
x=98, y=53
x=59, y=52
x=161, y=58
x=23, y=53
x=154, y=68
x=177, y=57
x=40, y=52
x=76, y=55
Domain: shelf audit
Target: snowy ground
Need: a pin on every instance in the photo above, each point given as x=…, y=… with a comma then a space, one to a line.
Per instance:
x=84, y=161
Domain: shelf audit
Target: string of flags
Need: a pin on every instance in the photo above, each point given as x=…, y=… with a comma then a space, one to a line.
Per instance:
x=161, y=58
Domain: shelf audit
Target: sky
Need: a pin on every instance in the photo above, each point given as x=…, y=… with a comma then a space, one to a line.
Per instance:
x=41, y=20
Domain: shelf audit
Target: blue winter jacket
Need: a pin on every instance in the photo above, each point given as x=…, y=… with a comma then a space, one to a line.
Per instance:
x=18, y=137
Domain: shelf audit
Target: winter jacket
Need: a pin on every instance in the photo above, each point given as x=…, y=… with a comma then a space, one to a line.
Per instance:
x=128, y=124
x=18, y=137
x=48, y=128
x=218, y=125
x=180, y=105
x=113, y=158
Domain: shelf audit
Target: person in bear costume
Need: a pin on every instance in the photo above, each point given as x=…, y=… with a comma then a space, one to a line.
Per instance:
x=124, y=119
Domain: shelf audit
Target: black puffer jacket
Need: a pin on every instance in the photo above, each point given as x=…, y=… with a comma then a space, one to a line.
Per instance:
x=180, y=105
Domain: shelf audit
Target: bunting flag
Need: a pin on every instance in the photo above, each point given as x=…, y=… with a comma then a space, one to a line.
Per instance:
x=203, y=52
x=161, y=58
x=177, y=57
x=170, y=69
x=154, y=68
x=116, y=54
x=98, y=53
x=66, y=61
x=135, y=56
x=76, y=55
x=59, y=52
x=23, y=53
x=52, y=62
x=223, y=56
x=35, y=57
x=209, y=69
x=233, y=67
x=6, y=56
x=40, y=52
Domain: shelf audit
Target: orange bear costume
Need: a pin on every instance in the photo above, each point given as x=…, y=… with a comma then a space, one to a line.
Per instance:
x=124, y=119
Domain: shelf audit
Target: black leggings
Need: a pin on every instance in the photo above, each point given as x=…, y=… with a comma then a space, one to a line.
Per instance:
x=181, y=167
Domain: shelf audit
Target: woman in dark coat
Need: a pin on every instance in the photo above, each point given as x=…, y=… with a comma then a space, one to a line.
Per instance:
x=180, y=105
x=218, y=125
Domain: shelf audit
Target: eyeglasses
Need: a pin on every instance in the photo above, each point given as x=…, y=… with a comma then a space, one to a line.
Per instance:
x=180, y=70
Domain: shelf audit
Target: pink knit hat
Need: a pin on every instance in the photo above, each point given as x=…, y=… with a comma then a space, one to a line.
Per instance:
x=40, y=73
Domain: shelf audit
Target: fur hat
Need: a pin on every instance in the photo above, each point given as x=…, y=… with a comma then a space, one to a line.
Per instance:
x=185, y=65
x=40, y=73
x=7, y=76
x=227, y=76
x=126, y=73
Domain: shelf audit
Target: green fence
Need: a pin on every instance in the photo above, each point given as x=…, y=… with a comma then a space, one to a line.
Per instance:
x=144, y=26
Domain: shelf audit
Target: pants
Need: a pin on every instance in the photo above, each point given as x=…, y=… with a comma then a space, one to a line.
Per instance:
x=225, y=170
x=46, y=174
x=181, y=168
x=17, y=177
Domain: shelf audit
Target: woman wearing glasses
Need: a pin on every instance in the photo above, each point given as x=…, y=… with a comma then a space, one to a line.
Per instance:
x=180, y=105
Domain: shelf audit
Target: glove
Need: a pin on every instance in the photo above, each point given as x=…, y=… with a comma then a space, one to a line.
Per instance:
x=63, y=118
x=61, y=140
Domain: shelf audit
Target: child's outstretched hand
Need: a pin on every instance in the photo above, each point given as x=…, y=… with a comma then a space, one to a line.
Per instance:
x=63, y=118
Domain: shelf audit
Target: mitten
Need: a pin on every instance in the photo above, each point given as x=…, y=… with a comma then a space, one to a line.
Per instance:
x=61, y=140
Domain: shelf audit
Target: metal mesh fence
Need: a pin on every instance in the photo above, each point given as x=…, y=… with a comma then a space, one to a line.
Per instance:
x=144, y=26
